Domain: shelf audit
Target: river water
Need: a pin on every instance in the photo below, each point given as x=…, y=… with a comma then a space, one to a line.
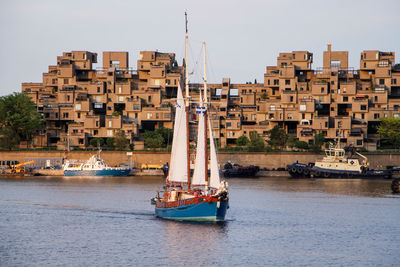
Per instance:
x=271, y=222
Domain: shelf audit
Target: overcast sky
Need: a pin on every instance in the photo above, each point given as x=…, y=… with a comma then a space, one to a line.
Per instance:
x=243, y=37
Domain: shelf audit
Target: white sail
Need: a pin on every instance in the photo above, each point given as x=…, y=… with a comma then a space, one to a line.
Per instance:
x=178, y=166
x=214, y=175
x=199, y=167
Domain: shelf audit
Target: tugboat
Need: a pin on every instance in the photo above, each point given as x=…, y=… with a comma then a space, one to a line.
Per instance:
x=236, y=170
x=336, y=164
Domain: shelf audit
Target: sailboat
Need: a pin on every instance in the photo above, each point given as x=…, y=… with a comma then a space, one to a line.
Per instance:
x=204, y=197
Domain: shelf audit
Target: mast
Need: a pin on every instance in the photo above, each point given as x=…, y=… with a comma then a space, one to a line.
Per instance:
x=187, y=100
x=205, y=117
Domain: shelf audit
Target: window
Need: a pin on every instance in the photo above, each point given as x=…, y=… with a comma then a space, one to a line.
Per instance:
x=95, y=132
x=66, y=81
x=120, y=90
x=253, y=117
x=149, y=98
x=363, y=107
x=215, y=124
x=98, y=89
x=149, y=115
x=99, y=98
x=97, y=123
x=362, y=116
x=291, y=98
x=303, y=116
x=381, y=81
x=65, y=115
x=376, y=98
x=394, y=81
x=376, y=116
x=121, y=99
x=109, y=132
x=326, y=124
x=228, y=125
x=322, y=89
x=79, y=115
x=268, y=82
x=359, y=142
x=287, y=82
x=289, y=116
x=345, y=98
x=303, y=107
x=109, y=124
x=272, y=107
x=339, y=124
x=78, y=106
x=276, y=82
x=68, y=98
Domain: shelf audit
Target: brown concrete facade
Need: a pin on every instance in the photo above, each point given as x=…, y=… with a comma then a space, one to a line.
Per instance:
x=79, y=103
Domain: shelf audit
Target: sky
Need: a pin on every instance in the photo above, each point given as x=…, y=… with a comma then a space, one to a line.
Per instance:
x=243, y=37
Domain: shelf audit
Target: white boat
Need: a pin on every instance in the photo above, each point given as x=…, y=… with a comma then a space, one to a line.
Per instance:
x=95, y=166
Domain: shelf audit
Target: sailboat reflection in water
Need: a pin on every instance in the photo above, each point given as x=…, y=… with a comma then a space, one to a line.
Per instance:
x=202, y=198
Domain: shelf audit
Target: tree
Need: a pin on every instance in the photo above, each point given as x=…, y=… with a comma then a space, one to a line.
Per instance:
x=389, y=131
x=277, y=137
x=256, y=143
x=153, y=139
x=301, y=145
x=120, y=140
x=19, y=120
x=291, y=141
x=242, y=141
x=111, y=142
x=319, y=140
x=97, y=142
x=166, y=134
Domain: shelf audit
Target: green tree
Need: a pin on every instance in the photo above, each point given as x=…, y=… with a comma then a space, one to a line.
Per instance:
x=97, y=142
x=120, y=140
x=256, y=143
x=291, y=141
x=242, y=141
x=19, y=120
x=166, y=134
x=319, y=140
x=301, y=145
x=153, y=139
x=389, y=131
x=277, y=137
x=111, y=142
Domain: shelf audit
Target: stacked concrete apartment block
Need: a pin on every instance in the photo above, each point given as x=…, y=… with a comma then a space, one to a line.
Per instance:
x=79, y=102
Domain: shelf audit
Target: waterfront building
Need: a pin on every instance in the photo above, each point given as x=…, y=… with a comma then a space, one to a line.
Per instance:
x=79, y=102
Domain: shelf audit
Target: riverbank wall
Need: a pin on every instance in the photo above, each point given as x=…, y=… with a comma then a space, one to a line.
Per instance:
x=270, y=160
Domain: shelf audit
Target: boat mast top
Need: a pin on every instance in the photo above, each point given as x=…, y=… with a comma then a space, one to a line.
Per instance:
x=186, y=61
x=204, y=74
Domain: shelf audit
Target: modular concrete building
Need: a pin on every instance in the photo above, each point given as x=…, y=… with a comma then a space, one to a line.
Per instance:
x=79, y=102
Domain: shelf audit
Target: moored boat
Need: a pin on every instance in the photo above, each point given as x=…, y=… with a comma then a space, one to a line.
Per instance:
x=203, y=197
x=236, y=170
x=336, y=164
x=95, y=166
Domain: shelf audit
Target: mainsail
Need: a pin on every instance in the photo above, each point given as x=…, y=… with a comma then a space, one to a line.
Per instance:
x=214, y=177
x=178, y=170
x=199, y=169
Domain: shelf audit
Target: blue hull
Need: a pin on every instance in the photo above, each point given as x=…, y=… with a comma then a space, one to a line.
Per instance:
x=206, y=211
x=123, y=172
